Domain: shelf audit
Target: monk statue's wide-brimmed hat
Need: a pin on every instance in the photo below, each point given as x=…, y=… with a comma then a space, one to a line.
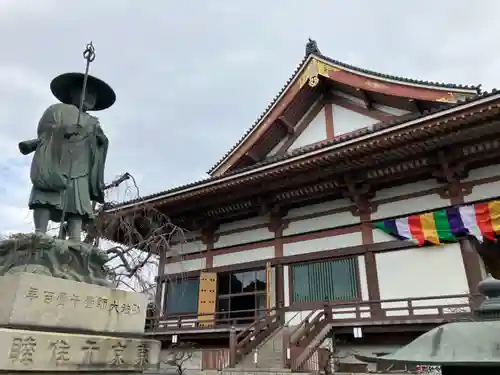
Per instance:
x=64, y=84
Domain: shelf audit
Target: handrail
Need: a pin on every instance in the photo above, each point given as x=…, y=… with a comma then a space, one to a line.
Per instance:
x=158, y=322
x=302, y=323
x=276, y=331
x=339, y=304
x=308, y=328
x=268, y=322
x=255, y=322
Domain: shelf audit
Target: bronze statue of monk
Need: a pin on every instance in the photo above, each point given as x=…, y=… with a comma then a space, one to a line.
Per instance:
x=67, y=170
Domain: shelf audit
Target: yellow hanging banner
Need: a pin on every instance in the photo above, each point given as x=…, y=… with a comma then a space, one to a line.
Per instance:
x=207, y=298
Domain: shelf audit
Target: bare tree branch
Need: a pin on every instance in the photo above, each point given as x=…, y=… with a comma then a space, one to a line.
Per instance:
x=143, y=234
x=180, y=354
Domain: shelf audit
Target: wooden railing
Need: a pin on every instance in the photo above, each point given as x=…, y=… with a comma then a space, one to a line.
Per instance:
x=342, y=313
x=195, y=321
x=307, y=336
x=302, y=340
x=244, y=342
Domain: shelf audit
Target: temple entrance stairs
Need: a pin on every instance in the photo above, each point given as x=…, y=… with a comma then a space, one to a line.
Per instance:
x=305, y=339
x=279, y=348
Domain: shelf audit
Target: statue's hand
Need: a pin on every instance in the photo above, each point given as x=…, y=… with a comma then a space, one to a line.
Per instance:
x=71, y=130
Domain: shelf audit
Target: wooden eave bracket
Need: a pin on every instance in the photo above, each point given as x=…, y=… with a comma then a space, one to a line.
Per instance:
x=252, y=156
x=358, y=192
x=290, y=129
x=449, y=173
x=416, y=105
x=275, y=212
x=366, y=98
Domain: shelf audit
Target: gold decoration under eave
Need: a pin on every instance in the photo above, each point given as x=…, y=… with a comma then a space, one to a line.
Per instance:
x=449, y=98
x=207, y=297
x=313, y=70
x=313, y=81
x=323, y=68
x=375, y=85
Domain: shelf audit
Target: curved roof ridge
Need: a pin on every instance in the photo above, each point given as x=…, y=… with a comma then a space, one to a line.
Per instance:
x=315, y=52
x=451, y=86
x=304, y=150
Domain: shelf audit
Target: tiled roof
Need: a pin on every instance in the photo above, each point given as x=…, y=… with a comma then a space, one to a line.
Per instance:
x=358, y=133
x=318, y=54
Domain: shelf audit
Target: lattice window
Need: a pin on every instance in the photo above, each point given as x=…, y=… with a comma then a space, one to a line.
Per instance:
x=182, y=296
x=330, y=280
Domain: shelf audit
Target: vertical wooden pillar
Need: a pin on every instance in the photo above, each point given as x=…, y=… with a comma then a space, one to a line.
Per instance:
x=470, y=257
x=276, y=225
x=208, y=239
x=370, y=263
x=160, y=281
x=232, y=347
x=328, y=109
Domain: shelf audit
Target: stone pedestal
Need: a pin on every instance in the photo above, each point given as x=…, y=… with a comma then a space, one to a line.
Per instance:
x=55, y=325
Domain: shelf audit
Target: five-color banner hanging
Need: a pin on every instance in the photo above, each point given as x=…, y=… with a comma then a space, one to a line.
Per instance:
x=481, y=220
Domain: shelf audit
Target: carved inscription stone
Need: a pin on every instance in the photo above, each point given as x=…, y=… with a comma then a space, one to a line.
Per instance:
x=22, y=350
x=35, y=300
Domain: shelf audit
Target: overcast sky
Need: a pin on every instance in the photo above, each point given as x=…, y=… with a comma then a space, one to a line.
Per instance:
x=192, y=76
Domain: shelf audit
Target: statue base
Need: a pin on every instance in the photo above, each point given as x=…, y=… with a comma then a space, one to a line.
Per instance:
x=38, y=351
x=44, y=255
x=54, y=325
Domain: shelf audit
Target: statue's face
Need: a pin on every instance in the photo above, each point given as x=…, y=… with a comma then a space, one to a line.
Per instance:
x=88, y=102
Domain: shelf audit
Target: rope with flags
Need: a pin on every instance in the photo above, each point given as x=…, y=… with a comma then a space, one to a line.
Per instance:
x=481, y=220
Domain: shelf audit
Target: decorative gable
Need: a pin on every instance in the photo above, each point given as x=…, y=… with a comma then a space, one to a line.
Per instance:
x=362, y=99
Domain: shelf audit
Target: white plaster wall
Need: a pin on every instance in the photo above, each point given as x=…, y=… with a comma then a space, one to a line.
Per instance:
x=315, y=132
x=351, y=98
x=185, y=266
x=421, y=272
x=317, y=208
x=242, y=224
x=390, y=110
x=253, y=235
x=484, y=191
x=346, y=121
x=321, y=222
x=243, y=256
x=362, y=278
x=286, y=285
x=381, y=236
x=190, y=247
x=410, y=205
x=322, y=244
x=398, y=191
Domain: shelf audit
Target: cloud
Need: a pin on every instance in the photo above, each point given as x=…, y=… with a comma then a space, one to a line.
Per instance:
x=192, y=76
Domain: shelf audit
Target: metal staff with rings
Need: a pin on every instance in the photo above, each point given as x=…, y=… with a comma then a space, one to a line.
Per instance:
x=70, y=152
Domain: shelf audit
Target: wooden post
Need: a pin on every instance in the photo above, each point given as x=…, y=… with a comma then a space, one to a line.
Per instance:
x=286, y=346
x=328, y=311
x=159, y=310
x=268, y=286
x=232, y=347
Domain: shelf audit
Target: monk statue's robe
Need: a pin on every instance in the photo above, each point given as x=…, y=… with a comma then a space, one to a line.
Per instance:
x=67, y=170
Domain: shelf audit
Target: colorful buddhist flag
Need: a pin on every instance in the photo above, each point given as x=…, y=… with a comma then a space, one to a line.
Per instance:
x=481, y=220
